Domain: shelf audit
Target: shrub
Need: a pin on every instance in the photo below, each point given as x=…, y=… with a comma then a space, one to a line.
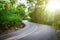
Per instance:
x=11, y=15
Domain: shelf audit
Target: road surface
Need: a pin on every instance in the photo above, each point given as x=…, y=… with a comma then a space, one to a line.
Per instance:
x=32, y=31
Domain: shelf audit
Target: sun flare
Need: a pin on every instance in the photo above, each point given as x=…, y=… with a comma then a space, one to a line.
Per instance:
x=53, y=5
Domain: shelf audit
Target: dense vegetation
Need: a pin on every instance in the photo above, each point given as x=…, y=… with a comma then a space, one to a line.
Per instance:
x=11, y=15
x=39, y=14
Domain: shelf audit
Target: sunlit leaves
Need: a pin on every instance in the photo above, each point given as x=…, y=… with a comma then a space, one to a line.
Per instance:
x=30, y=0
x=41, y=15
x=13, y=1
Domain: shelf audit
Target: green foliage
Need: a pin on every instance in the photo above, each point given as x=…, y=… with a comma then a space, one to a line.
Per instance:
x=11, y=15
x=30, y=0
x=43, y=16
x=13, y=2
x=21, y=10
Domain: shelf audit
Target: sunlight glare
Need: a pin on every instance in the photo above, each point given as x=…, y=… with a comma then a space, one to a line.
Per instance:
x=53, y=5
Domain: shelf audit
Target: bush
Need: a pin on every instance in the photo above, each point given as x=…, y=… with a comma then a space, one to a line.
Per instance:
x=11, y=15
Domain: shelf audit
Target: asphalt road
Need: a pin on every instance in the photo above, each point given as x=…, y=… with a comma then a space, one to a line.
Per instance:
x=32, y=31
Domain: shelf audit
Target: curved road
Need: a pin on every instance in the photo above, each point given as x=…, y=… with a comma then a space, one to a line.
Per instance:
x=32, y=31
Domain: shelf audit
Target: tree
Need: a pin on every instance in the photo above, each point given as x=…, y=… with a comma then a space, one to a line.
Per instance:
x=38, y=14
